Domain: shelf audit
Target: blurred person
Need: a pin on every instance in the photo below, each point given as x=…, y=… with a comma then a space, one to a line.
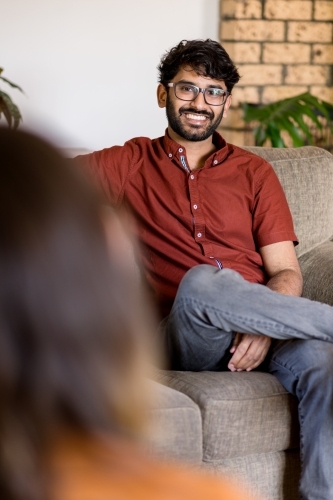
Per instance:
x=73, y=330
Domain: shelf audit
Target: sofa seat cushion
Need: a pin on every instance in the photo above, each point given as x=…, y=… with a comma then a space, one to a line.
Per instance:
x=175, y=430
x=242, y=413
x=268, y=475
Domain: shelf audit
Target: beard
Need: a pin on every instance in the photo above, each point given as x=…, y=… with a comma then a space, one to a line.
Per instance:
x=194, y=134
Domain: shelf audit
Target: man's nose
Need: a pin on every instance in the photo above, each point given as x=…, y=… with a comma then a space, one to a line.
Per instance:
x=199, y=101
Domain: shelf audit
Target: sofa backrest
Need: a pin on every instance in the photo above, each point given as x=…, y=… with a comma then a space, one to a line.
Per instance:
x=306, y=174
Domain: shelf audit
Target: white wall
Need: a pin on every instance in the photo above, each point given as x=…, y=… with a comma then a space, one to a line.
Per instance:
x=77, y=59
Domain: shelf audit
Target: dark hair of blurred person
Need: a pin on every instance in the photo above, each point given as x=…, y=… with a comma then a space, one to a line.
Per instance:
x=70, y=327
x=72, y=342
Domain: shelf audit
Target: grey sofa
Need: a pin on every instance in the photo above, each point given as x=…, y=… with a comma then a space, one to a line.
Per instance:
x=246, y=424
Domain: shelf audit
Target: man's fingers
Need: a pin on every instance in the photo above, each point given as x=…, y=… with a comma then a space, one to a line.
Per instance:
x=236, y=341
x=250, y=352
x=239, y=352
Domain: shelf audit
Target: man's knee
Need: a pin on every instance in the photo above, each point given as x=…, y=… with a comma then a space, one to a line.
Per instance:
x=197, y=276
x=206, y=279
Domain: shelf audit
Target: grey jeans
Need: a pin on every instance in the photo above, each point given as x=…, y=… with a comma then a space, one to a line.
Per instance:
x=212, y=304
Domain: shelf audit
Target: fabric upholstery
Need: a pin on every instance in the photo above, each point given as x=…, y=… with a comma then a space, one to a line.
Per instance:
x=275, y=475
x=242, y=413
x=175, y=426
x=306, y=175
x=317, y=269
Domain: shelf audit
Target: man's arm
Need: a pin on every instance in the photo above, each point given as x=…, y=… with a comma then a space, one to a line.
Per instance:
x=282, y=267
x=281, y=264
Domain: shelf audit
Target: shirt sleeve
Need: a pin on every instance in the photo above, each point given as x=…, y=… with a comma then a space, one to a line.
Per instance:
x=109, y=169
x=272, y=219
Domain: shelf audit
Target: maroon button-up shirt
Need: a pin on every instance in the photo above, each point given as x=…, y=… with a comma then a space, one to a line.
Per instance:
x=220, y=214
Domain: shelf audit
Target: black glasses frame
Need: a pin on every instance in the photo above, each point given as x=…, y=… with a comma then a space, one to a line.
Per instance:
x=198, y=90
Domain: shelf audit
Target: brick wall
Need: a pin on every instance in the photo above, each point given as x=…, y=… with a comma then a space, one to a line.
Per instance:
x=281, y=48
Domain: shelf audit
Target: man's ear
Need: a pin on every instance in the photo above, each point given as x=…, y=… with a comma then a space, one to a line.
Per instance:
x=161, y=95
x=227, y=106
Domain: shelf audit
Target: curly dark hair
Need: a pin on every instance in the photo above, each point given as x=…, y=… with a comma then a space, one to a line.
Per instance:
x=206, y=57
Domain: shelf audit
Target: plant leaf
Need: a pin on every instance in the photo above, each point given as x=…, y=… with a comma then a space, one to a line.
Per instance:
x=308, y=111
x=4, y=109
x=10, y=110
x=293, y=131
x=303, y=126
x=11, y=84
x=319, y=105
x=260, y=135
x=288, y=114
x=275, y=136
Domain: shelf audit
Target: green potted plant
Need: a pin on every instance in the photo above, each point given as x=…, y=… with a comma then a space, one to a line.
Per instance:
x=303, y=117
x=7, y=107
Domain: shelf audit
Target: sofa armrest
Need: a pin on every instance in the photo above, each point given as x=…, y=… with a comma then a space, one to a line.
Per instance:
x=317, y=269
x=175, y=430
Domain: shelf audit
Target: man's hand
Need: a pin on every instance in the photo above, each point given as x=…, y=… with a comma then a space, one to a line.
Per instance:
x=249, y=351
x=281, y=265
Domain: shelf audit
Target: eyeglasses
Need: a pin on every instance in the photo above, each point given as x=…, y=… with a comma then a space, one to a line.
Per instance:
x=187, y=92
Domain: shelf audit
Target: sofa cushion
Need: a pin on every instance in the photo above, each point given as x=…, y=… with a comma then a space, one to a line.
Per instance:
x=242, y=413
x=317, y=270
x=175, y=430
x=306, y=174
x=271, y=475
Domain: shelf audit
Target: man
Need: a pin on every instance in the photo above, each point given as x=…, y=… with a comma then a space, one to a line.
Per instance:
x=215, y=227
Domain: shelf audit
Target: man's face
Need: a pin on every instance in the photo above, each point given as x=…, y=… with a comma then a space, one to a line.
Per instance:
x=192, y=120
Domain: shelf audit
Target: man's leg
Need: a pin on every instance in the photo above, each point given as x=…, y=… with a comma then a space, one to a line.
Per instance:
x=212, y=304
x=305, y=368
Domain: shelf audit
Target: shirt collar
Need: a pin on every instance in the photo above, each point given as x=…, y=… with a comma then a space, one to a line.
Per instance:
x=173, y=149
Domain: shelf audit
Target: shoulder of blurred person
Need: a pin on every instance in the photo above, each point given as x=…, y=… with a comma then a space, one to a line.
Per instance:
x=114, y=468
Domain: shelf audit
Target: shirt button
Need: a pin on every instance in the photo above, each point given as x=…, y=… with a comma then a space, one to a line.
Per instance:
x=192, y=176
x=180, y=150
x=199, y=235
x=170, y=155
x=195, y=207
x=215, y=162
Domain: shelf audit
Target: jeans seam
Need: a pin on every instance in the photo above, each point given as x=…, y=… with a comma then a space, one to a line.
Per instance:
x=274, y=326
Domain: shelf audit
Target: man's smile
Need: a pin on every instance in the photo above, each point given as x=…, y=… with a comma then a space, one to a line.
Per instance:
x=195, y=117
